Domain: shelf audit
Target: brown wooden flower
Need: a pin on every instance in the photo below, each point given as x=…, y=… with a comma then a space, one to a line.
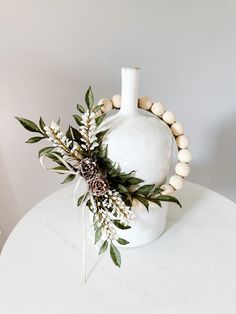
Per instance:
x=88, y=169
x=98, y=185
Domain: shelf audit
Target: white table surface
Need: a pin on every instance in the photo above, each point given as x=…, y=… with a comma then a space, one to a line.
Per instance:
x=190, y=269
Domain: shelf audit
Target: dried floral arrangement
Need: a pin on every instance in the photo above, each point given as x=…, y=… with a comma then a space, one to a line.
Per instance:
x=110, y=192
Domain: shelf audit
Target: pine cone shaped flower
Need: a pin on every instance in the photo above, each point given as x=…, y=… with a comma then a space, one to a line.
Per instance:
x=88, y=169
x=98, y=185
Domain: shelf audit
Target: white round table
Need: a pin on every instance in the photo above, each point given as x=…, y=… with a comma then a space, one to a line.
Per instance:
x=190, y=269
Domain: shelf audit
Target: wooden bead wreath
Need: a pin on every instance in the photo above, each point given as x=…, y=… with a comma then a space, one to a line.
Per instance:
x=182, y=168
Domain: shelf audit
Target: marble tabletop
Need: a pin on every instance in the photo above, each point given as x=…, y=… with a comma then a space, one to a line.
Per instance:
x=190, y=269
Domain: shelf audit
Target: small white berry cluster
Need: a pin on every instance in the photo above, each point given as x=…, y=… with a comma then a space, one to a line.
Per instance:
x=182, y=168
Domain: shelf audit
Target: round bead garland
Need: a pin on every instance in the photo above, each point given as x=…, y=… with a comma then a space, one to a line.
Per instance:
x=182, y=168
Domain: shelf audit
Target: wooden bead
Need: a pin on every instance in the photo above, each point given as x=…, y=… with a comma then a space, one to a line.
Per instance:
x=116, y=100
x=177, y=129
x=184, y=155
x=169, y=117
x=107, y=104
x=158, y=109
x=177, y=182
x=167, y=189
x=182, y=141
x=182, y=169
x=145, y=103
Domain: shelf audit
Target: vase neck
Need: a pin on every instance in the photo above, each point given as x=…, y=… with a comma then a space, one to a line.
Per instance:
x=129, y=91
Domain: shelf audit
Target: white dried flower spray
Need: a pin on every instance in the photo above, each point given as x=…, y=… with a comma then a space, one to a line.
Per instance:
x=114, y=202
x=104, y=220
x=88, y=131
x=63, y=145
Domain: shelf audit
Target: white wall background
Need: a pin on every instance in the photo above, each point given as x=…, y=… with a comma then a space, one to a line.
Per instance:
x=52, y=50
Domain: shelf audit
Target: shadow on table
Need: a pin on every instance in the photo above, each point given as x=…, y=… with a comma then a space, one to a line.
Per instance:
x=189, y=198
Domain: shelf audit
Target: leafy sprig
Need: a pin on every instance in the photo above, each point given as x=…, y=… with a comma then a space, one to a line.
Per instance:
x=33, y=127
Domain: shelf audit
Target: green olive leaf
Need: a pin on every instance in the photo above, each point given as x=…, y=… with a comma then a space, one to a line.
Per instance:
x=169, y=198
x=29, y=125
x=68, y=179
x=103, y=247
x=98, y=234
x=35, y=139
x=100, y=135
x=120, y=225
x=133, y=181
x=45, y=151
x=122, y=241
x=142, y=200
x=145, y=189
x=80, y=108
x=100, y=119
x=89, y=98
x=115, y=255
x=42, y=124
x=78, y=119
x=81, y=199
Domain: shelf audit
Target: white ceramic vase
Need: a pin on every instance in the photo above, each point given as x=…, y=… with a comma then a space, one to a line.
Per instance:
x=140, y=141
